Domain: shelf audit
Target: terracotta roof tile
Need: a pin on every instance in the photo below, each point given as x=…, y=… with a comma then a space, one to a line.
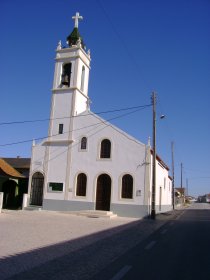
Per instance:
x=158, y=158
x=7, y=169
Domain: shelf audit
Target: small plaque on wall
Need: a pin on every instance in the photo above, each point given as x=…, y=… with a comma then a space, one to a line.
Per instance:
x=138, y=193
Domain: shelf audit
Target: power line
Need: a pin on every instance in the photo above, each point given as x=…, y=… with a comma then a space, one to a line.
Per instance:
x=89, y=134
x=60, y=118
x=122, y=41
x=99, y=123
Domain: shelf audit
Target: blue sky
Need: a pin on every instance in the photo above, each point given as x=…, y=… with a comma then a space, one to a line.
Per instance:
x=137, y=46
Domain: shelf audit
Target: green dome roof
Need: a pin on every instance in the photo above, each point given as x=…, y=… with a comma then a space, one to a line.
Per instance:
x=74, y=37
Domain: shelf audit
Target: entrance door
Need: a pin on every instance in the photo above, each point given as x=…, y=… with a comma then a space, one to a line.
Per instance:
x=37, y=184
x=103, y=193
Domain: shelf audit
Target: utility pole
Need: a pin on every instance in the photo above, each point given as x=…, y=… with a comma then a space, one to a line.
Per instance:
x=182, y=192
x=181, y=174
x=154, y=157
x=172, y=153
x=187, y=186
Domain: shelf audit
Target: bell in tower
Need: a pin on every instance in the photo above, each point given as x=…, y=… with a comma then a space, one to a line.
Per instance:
x=66, y=75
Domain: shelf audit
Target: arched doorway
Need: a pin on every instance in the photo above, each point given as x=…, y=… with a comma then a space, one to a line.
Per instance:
x=10, y=190
x=103, y=192
x=37, y=184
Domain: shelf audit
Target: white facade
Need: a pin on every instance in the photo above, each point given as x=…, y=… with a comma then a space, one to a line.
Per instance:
x=67, y=175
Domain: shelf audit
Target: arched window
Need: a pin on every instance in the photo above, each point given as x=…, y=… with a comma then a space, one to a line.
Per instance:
x=127, y=186
x=82, y=78
x=83, y=143
x=81, y=185
x=66, y=74
x=105, y=151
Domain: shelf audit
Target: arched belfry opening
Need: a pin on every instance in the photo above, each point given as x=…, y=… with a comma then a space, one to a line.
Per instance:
x=66, y=74
x=103, y=192
x=37, y=185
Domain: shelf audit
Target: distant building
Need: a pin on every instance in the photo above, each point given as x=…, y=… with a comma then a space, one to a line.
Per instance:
x=86, y=163
x=204, y=198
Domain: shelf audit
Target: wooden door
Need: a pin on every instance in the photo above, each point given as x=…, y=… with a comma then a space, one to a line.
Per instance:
x=37, y=189
x=103, y=193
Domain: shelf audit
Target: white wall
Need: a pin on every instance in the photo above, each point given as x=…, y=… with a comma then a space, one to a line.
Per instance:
x=163, y=183
x=61, y=113
x=126, y=157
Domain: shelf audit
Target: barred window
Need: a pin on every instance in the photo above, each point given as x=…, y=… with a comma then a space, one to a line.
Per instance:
x=127, y=186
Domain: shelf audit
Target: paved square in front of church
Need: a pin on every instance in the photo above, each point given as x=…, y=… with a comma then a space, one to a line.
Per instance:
x=31, y=239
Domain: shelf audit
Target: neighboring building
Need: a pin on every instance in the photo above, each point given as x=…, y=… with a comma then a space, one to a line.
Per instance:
x=179, y=196
x=204, y=198
x=14, y=174
x=22, y=165
x=163, y=186
x=86, y=163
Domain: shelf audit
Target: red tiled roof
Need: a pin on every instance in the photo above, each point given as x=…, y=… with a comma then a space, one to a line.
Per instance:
x=161, y=161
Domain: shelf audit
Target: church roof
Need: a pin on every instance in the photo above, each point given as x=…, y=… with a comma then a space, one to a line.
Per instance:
x=73, y=38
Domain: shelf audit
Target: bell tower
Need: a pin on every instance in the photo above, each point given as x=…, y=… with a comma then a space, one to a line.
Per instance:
x=70, y=85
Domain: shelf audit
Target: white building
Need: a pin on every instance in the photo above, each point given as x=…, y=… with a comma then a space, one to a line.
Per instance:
x=87, y=163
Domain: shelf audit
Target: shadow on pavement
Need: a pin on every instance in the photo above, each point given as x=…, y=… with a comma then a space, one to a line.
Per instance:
x=79, y=258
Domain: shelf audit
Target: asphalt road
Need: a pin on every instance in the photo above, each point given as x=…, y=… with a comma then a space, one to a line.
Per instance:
x=178, y=250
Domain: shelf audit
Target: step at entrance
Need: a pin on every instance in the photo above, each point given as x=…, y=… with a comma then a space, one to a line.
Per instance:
x=33, y=208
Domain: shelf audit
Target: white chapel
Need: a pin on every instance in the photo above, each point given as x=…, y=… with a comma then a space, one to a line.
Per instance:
x=86, y=163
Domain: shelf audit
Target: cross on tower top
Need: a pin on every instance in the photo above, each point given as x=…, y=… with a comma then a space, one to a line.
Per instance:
x=76, y=18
